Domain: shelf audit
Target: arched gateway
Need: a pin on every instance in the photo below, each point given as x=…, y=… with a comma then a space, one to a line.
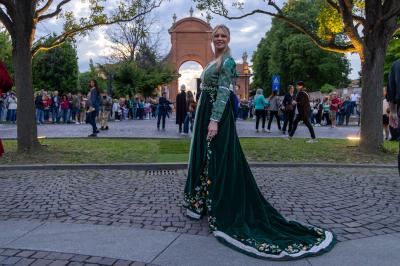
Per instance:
x=191, y=41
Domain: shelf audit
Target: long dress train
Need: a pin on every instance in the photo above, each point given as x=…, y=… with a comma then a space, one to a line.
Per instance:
x=221, y=184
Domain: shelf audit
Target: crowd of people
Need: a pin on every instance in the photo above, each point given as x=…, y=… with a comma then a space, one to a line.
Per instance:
x=330, y=110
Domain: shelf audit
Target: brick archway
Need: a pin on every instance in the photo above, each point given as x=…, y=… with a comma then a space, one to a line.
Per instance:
x=191, y=41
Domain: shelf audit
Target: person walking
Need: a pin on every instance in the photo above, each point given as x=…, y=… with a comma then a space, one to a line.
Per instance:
x=289, y=109
x=260, y=105
x=274, y=110
x=191, y=107
x=94, y=103
x=303, y=108
x=106, y=108
x=181, y=106
x=163, y=105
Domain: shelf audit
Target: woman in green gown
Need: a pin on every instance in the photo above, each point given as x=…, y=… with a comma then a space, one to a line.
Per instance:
x=221, y=184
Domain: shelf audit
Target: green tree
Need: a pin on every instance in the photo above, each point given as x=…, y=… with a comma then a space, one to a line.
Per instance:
x=261, y=57
x=56, y=69
x=393, y=54
x=21, y=19
x=364, y=27
x=327, y=88
x=131, y=79
x=6, y=49
x=294, y=57
x=95, y=73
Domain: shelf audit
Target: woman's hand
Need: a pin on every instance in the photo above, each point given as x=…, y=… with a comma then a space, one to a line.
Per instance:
x=212, y=129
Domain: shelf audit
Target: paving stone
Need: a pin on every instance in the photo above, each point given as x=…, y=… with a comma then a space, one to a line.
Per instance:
x=59, y=256
x=107, y=261
x=94, y=259
x=79, y=258
x=9, y=252
x=362, y=201
x=41, y=262
x=138, y=264
x=59, y=263
x=122, y=263
x=25, y=253
x=75, y=263
x=10, y=261
x=40, y=254
x=25, y=262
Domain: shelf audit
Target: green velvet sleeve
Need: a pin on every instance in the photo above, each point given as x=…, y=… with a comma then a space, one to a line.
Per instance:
x=225, y=84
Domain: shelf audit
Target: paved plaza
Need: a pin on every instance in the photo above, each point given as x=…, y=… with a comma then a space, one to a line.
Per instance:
x=137, y=217
x=148, y=129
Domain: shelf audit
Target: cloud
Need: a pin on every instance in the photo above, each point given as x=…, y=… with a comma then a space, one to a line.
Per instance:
x=246, y=33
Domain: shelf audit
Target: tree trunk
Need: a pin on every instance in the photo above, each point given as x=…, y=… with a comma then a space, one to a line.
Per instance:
x=22, y=62
x=371, y=138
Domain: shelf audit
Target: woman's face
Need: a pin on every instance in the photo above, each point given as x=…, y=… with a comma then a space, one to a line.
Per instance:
x=91, y=83
x=220, y=40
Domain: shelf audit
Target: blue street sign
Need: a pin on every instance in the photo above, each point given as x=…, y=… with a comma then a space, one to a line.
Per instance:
x=276, y=83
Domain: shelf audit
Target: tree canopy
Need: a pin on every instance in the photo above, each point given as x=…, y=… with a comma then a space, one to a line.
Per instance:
x=56, y=69
x=143, y=74
x=289, y=53
x=6, y=49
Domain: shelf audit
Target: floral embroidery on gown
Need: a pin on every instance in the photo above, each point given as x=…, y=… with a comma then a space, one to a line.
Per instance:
x=221, y=185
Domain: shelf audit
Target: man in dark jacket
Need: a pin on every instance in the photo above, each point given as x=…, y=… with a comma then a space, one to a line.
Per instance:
x=288, y=109
x=181, y=108
x=304, y=109
x=393, y=94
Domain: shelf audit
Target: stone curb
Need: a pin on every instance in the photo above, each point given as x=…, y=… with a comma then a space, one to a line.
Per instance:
x=173, y=166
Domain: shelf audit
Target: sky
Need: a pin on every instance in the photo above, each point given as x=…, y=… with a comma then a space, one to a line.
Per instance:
x=245, y=33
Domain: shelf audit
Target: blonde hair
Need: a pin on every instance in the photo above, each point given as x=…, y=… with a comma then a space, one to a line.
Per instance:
x=227, y=50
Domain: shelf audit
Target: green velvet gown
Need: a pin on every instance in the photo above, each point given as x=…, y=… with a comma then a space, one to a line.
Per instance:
x=221, y=184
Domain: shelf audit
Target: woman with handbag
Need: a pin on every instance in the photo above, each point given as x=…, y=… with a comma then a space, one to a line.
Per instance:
x=288, y=113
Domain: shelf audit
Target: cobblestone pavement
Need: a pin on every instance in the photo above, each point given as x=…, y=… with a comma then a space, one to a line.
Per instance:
x=354, y=203
x=148, y=129
x=42, y=258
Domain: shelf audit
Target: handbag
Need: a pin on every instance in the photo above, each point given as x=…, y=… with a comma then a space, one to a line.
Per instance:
x=289, y=107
